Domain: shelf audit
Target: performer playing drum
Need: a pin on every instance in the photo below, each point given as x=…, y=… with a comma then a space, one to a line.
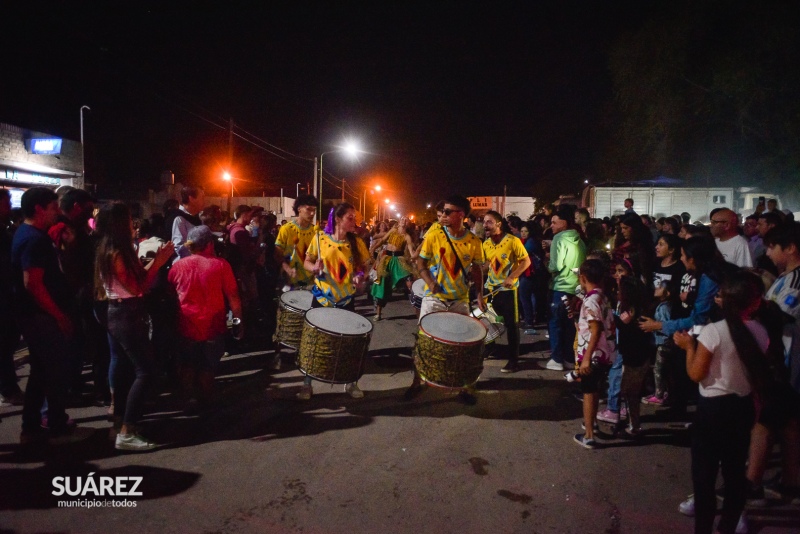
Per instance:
x=506, y=259
x=337, y=259
x=291, y=245
x=394, y=264
x=450, y=256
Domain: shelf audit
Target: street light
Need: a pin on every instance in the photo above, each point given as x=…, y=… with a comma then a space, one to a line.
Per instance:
x=83, y=157
x=228, y=178
x=352, y=149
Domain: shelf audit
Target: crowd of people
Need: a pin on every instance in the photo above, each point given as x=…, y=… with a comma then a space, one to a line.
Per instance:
x=663, y=311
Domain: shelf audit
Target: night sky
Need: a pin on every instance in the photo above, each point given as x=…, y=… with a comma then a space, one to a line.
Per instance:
x=450, y=97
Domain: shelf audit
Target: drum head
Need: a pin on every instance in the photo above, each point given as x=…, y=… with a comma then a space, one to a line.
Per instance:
x=452, y=327
x=418, y=287
x=298, y=299
x=338, y=321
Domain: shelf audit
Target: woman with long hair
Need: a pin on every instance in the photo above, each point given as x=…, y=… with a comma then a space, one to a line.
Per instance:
x=728, y=362
x=338, y=260
x=124, y=281
x=530, y=280
x=394, y=264
x=635, y=239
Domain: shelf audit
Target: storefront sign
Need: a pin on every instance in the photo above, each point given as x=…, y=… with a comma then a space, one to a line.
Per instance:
x=28, y=178
x=480, y=203
x=47, y=146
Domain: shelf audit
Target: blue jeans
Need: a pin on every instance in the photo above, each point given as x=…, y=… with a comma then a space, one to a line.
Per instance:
x=528, y=300
x=562, y=330
x=132, y=354
x=615, y=384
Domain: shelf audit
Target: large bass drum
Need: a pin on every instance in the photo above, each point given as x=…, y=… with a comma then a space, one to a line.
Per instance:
x=449, y=349
x=334, y=345
x=292, y=309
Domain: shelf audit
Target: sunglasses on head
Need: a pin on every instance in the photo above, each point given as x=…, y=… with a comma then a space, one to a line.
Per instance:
x=449, y=211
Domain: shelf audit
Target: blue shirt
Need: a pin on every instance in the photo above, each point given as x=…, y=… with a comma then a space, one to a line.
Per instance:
x=32, y=248
x=706, y=291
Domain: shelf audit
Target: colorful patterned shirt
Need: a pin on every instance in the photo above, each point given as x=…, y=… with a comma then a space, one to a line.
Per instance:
x=294, y=242
x=334, y=286
x=596, y=308
x=502, y=258
x=443, y=264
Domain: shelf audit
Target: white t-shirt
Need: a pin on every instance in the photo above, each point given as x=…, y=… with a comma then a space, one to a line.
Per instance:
x=736, y=251
x=727, y=373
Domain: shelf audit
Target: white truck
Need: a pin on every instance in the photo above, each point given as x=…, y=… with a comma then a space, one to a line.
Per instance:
x=522, y=207
x=605, y=201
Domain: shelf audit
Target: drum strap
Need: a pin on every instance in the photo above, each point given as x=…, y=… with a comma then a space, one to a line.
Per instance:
x=455, y=253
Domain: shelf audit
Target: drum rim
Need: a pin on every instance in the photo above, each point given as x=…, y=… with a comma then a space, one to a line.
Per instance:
x=450, y=342
x=288, y=306
x=312, y=325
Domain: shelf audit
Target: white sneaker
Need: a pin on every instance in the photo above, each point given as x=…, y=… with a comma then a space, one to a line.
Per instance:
x=687, y=506
x=133, y=442
x=353, y=390
x=305, y=392
x=553, y=365
x=275, y=365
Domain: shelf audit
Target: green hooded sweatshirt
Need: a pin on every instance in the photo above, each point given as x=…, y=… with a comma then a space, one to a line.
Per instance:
x=567, y=252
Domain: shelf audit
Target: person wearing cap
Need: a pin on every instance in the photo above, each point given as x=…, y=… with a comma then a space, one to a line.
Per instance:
x=293, y=241
x=205, y=284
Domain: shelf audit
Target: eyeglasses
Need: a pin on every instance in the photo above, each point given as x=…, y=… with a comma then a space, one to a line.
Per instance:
x=718, y=222
x=448, y=211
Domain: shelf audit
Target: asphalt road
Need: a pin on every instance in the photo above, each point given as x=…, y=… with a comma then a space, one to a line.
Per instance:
x=261, y=461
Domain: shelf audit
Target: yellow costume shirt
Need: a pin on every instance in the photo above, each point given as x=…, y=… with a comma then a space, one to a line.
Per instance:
x=294, y=242
x=335, y=285
x=502, y=258
x=443, y=265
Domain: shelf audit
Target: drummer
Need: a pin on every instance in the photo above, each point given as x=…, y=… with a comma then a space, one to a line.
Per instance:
x=293, y=240
x=336, y=271
x=291, y=244
x=506, y=259
x=447, y=275
x=394, y=265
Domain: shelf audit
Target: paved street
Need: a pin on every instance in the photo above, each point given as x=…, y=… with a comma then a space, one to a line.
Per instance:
x=261, y=461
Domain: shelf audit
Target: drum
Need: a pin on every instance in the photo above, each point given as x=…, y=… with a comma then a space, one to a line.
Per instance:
x=291, y=311
x=489, y=318
x=417, y=291
x=449, y=349
x=333, y=345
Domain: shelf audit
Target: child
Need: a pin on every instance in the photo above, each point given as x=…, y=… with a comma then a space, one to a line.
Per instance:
x=664, y=345
x=634, y=346
x=596, y=344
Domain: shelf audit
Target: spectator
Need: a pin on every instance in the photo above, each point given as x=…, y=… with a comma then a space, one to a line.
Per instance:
x=45, y=314
x=629, y=207
x=732, y=246
x=204, y=284
x=9, y=334
x=125, y=282
x=728, y=362
x=596, y=345
x=567, y=253
x=192, y=201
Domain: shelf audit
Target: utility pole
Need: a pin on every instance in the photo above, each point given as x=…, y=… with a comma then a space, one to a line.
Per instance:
x=230, y=163
x=342, y=189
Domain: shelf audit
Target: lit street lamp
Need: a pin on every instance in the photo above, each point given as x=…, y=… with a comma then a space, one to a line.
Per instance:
x=350, y=148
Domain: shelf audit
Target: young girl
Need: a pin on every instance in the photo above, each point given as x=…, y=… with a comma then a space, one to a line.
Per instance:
x=667, y=277
x=633, y=345
x=728, y=362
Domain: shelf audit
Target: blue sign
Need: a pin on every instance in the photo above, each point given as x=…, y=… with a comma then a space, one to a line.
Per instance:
x=47, y=146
